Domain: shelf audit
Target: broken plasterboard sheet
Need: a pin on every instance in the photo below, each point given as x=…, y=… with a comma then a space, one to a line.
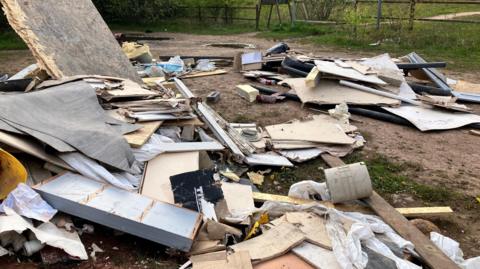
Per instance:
x=122, y=210
x=66, y=45
x=287, y=261
x=312, y=225
x=46, y=233
x=301, y=155
x=156, y=177
x=426, y=119
x=316, y=130
x=331, y=92
x=299, y=152
x=317, y=256
x=272, y=243
x=239, y=198
x=333, y=69
x=268, y=160
x=217, y=260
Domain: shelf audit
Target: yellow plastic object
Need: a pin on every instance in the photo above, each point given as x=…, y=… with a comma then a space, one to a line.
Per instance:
x=12, y=173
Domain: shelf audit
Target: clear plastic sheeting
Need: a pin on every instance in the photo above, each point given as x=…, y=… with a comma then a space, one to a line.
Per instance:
x=93, y=170
x=26, y=202
x=205, y=65
x=451, y=248
x=308, y=188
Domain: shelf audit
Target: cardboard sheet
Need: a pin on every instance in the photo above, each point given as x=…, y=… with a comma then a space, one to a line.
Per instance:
x=426, y=119
x=331, y=92
x=66, y=43
x=156, y=178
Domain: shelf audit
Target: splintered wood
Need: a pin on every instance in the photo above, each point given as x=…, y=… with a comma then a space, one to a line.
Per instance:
x=66, y=43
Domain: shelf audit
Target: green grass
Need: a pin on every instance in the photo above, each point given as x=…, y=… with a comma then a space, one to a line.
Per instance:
x=11, y=41
x=389, y=177
x=456, y=44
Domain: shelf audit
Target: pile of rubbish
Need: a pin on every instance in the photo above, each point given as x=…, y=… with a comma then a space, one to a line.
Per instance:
x=108, y=134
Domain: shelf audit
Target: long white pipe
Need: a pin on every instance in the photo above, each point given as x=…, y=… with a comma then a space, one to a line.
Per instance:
x=377, y=92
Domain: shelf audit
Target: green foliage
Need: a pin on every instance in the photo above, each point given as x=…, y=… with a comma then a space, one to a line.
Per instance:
x=9, y=40
x=390, y=177
x=134, y=11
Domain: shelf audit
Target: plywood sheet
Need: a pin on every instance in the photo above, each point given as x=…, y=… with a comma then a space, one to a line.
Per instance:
x=317, y=130
x=139, y=137
x=156, y=179
x=68, y=38
x=331, y=92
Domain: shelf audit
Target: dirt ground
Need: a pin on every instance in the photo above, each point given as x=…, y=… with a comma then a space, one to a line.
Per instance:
x=447, y=158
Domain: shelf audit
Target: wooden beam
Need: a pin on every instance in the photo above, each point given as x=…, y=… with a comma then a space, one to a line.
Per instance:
x=430, y=254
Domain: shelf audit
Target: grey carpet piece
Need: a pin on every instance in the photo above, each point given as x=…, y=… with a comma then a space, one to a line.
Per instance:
x=65, y=117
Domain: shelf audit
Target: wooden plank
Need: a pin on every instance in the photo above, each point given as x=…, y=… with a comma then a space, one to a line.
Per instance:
x=422, y=212
x=313, y=78
x=204, y=74
x=430, y=254
x=66, y=44
x=139, y=137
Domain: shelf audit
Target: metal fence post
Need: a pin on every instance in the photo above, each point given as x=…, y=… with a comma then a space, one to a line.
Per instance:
x=379, y=13
x=199, y=13
x=412, y=14
x=355, y=22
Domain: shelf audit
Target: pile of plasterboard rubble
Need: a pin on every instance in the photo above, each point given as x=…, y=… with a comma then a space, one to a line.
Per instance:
x=84, y=135
x=406, y=91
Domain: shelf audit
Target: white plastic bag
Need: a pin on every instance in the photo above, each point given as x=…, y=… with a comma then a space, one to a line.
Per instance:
x=308, y=188
x=451, y=248
x=26, y=202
